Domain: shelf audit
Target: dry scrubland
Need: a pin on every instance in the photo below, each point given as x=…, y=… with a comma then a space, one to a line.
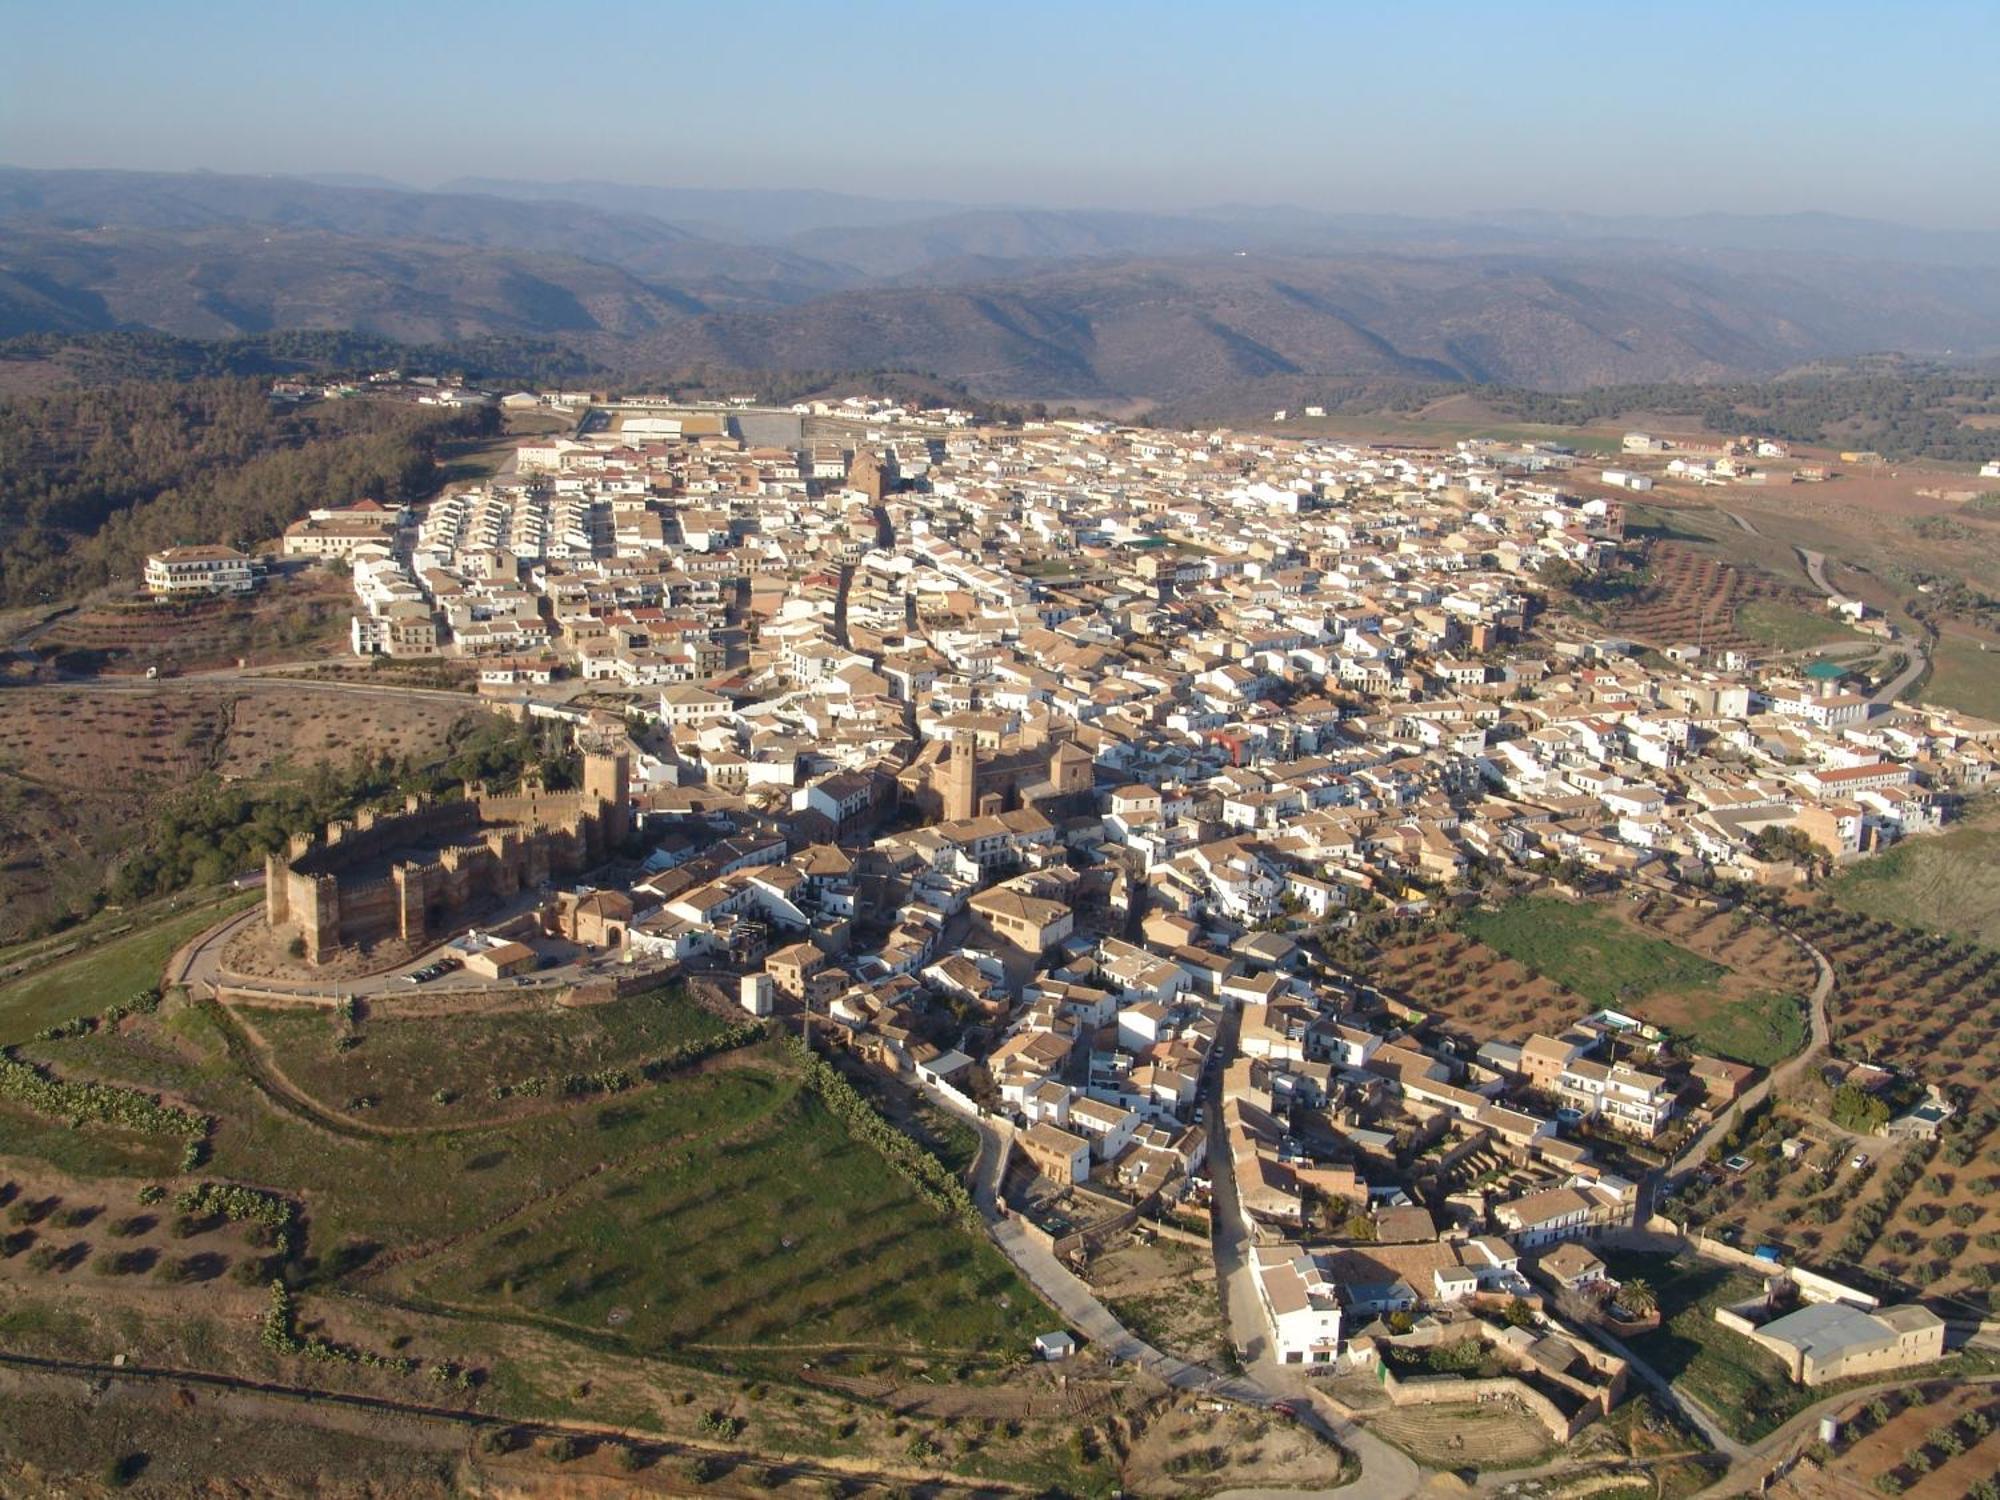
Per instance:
x=81, y=769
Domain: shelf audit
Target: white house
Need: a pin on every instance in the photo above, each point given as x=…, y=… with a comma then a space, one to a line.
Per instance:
x=1299, y=1303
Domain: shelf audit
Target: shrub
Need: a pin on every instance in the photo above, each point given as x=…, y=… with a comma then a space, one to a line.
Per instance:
x=721, y=1426
x=99, y=1103
x=119, y=1472
x=278, y=1216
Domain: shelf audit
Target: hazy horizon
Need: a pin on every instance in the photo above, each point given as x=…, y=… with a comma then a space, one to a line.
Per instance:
x=1457, y=111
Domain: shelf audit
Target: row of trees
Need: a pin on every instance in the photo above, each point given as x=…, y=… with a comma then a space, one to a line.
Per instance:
x=101, y=1103
x=932, y=1179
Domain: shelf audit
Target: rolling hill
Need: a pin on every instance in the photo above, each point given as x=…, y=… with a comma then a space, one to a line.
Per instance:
x=1015, y=303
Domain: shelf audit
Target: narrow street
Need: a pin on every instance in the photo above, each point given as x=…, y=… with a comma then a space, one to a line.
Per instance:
x=1386, y=1473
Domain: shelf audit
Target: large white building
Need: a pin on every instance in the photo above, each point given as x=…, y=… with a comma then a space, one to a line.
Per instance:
x=180, y=572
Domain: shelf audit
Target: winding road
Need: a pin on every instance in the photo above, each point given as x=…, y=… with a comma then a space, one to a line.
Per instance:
x=1919, y=659
x=1820, y=1039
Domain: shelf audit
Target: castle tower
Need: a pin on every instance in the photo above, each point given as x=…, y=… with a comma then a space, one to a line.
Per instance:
x=607, y=777
x=961, y=787
x=864, y=473
x=1071, y=769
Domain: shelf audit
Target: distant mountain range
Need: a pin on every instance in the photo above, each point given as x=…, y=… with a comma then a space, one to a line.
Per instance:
x=1023, y=303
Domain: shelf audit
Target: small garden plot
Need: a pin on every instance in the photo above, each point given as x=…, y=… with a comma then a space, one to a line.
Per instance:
x=1483, y=1435
x=1720, y=984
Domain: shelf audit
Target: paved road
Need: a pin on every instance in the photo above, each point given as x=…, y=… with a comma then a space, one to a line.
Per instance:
x=1892, y=691
x=1816, y=569
x=199, y=966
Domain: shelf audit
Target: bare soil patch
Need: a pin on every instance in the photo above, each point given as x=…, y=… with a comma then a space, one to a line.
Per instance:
x=1193, y=1449
x=1485, y=1435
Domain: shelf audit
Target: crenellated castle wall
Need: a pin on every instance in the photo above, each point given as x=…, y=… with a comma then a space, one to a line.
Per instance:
x=481, y=850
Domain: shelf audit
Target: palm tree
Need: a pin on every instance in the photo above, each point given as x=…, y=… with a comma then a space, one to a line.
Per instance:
x=1635, y=1296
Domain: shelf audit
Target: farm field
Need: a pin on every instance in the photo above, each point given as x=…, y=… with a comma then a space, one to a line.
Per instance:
x=717, y=1214
x=1913, y=1215
x=1947, y=882
x=1935, y=1441
x=773, y=1228
x=1720, y=984
x=1790, y=627
x=1588, y=950
x=749, y=1437
x=1694, y=596
x=1963, y=676
x=1910, y=999
x=1762, y=1029
x=434, y=1069
x=104, y=973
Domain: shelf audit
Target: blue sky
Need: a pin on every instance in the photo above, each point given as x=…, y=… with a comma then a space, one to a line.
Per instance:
x=1880, y=109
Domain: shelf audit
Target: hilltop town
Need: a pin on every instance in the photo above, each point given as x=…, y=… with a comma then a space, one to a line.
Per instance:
x=1271, y=851
x=1053, y=766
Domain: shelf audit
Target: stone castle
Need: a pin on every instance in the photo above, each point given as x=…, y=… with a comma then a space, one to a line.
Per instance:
x=415, y=875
